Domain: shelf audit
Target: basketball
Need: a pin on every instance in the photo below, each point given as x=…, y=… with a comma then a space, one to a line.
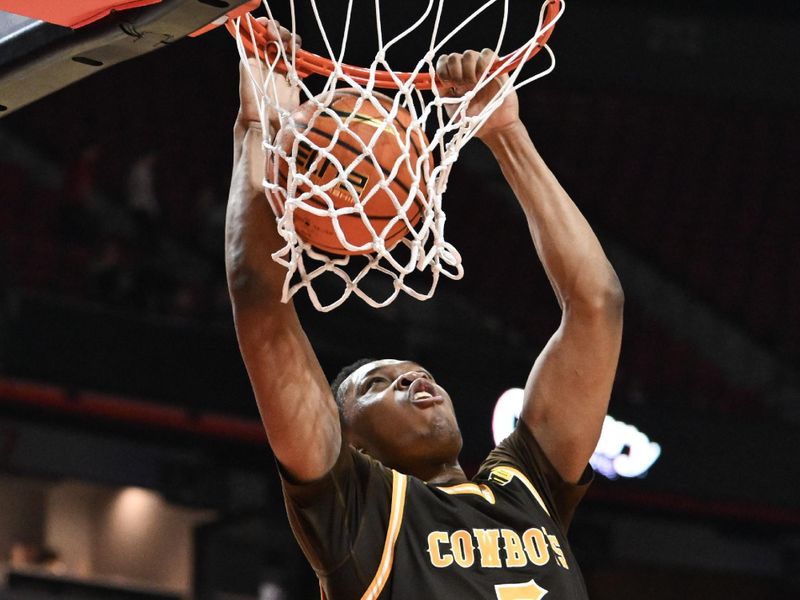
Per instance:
x=367, y=170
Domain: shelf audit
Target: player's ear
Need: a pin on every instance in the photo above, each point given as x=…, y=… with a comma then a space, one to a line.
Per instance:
x=356, y=446
x=352, y=439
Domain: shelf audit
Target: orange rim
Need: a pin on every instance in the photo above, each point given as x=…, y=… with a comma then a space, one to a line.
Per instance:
x=307, y=63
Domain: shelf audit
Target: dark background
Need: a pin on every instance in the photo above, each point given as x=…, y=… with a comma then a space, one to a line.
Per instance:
x=674, y=127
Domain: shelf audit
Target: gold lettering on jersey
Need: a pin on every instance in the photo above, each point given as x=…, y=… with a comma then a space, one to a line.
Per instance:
x=498, y=548
x=536, y=546
x=520, y=591
x=437, y=560
x=462, y=548
x=515, y=554
x=556, y=546
x=489, y=547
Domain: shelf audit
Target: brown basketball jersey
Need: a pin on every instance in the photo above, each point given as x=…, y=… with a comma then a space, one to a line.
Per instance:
x=372, y=533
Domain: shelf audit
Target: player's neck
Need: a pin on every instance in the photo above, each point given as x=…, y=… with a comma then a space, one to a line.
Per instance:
x=446, y=474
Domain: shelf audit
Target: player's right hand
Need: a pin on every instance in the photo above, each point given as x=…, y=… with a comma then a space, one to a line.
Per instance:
x=460, y=72
x=277, y=89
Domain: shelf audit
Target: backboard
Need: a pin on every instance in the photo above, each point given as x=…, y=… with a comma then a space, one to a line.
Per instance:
x=46, y=46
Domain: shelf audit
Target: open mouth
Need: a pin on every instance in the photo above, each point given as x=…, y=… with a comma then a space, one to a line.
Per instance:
x=422, y=394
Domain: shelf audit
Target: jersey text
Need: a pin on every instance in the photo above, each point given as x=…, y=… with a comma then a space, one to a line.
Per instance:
x=494, y=548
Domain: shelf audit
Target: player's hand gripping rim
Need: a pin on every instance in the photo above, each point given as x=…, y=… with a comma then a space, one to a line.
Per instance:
x=276, y=89
x=460, y=72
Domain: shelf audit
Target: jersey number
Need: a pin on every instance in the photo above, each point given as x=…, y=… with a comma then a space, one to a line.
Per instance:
x=520, y=591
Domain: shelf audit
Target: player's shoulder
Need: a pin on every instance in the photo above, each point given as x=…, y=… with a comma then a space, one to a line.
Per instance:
x=519, y=463
x=518, y=452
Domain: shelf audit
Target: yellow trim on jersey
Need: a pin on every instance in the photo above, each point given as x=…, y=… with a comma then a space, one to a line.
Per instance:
x=399, y=485
x=507, y=473
x=470, y=488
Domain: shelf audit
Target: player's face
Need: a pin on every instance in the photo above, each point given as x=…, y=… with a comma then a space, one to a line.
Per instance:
x=398, y=414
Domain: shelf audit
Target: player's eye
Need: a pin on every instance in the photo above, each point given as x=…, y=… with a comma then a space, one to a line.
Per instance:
x=373, y=382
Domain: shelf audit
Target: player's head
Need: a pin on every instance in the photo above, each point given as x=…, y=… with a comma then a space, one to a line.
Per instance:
x=396, y=412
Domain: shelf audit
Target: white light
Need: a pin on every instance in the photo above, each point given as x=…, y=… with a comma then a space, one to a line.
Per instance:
x=133, y=512
x=622, y=451
x=506, y=414
x=611, y=458
x=271, y=591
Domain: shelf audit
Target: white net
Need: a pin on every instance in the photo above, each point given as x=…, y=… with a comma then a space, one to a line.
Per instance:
x=384, y=236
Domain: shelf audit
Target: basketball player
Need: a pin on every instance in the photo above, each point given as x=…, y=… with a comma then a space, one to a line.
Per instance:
x=373, y=487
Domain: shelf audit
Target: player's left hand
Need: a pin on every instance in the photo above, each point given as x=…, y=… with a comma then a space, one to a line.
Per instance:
x=276, y=88
x=459, y=72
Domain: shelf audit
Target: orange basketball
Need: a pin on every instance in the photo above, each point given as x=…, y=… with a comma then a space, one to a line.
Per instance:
x=367, y=173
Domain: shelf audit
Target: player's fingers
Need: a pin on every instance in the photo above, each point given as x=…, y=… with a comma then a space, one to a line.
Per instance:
x=272, y=28
x=272, y=33
x=469, y=63
x=276, y=34
x=442, y=72
x=485, y=61
x=454, y=69
x=287, y=36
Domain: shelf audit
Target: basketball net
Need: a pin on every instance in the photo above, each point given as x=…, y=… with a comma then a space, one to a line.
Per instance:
x=424, y=249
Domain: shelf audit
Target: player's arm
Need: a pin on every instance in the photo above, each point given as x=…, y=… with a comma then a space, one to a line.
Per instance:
x=295, y=402
x=567, y=392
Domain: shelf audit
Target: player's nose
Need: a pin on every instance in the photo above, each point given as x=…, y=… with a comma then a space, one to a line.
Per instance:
x=406, y=379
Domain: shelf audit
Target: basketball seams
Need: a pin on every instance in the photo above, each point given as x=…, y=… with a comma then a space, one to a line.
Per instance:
x=320, y=231
x=412, y=166
x=384, y=101
x=355, y=215
x=386, y=172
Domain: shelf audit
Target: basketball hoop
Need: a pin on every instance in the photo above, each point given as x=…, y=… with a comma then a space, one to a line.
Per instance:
x=419, y=100
x=254, y=40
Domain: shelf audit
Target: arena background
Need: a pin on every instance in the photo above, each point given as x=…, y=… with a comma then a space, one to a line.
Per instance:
x=132, y=463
